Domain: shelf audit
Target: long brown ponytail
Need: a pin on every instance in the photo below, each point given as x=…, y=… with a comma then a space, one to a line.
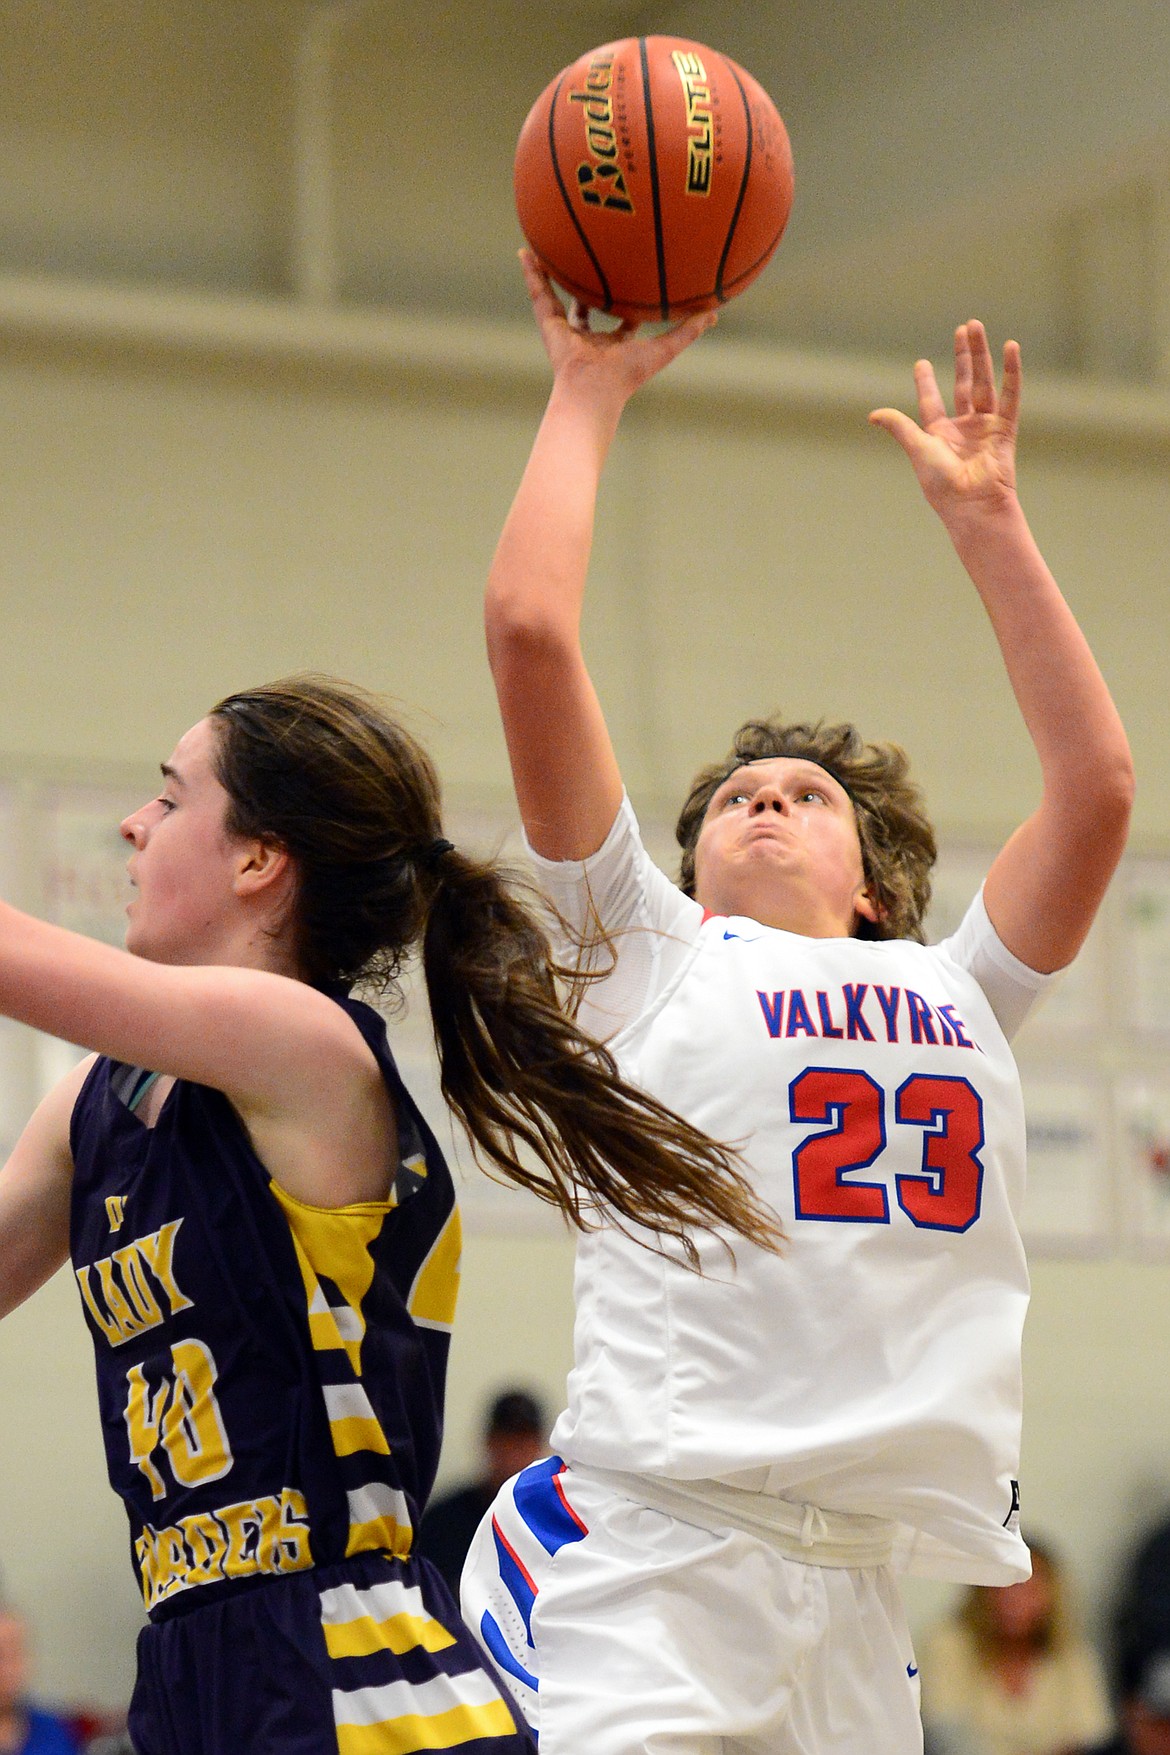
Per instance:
x=319, y=767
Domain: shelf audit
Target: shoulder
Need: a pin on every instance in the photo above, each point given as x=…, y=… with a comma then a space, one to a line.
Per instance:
x=618, y=885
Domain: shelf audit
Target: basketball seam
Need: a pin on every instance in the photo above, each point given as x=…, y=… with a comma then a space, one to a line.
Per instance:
x=747, y=165
x=577, y=226
x=652, y=155
x=760, y=259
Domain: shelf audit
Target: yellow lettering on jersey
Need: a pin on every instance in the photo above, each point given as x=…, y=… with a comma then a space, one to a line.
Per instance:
x=293, y=1532
x=192, y=1428
x=183, y=1416
x=143, y=1419
x=117, y=1303
x=142, y=1299
x=128, y=1305
x=159, y=1250
x=244, y=1523
x=106, y=1323
x=266, y=1535
x=207, y=1546
x=115, y=1210
x=171, y=1561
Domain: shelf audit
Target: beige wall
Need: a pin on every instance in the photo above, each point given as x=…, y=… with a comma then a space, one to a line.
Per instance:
x=169, y=529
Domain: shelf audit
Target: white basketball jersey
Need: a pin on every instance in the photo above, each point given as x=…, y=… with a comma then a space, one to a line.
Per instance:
x=874, y=1365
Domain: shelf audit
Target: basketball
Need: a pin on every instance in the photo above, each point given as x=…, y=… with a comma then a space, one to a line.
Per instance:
x=653, y=178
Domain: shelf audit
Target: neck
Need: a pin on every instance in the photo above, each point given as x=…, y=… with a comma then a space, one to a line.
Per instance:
x=808, y=917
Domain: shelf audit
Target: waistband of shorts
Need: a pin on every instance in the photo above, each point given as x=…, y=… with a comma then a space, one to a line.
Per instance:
x=801, y=1532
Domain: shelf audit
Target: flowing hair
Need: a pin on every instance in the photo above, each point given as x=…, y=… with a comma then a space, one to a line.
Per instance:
x=321, y=769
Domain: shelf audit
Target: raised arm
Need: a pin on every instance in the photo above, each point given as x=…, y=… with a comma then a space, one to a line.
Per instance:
x=567, y=780
x=290, y=1060
x=1047, y=883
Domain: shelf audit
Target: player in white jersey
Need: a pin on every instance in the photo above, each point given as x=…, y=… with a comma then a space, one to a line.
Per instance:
x=749, y=1454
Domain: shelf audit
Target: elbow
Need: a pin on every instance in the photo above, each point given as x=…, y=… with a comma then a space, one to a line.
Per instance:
x=520, y=636
x=1113, y=800
x=1122, y=785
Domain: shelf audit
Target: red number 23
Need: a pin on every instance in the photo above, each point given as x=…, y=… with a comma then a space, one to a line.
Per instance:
x=944, y=1195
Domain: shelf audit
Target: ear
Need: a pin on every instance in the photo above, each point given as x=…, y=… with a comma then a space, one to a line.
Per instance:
x=867, y=906
x=262, y=868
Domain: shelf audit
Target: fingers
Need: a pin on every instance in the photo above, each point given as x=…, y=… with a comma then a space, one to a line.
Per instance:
x=981, y=370
x=1009, y=396
x=899, y=426
x=931, y=407
x=672, y=342
x=963, y=402
x=975, y=391
x=545, y=302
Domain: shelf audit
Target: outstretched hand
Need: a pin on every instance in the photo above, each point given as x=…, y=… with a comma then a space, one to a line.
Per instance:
x=618, y=361
x=968, y=459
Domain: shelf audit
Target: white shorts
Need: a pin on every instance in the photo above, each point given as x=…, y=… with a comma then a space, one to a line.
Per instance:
x=625, y=1630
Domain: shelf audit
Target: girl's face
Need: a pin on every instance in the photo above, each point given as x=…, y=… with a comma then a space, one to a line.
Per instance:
x=185, y=868
x=779, y=844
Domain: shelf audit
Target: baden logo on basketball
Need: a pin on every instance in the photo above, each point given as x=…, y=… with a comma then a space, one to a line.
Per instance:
x=653, y=178
x=700, y=130
x=600, y=181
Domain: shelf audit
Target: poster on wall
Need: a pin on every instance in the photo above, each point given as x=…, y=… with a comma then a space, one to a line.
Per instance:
x=82, y=884
x=1145, y=919
x=1068, y=1204
x=1143, y=1104
x=83, y=879
x=1073, y=1003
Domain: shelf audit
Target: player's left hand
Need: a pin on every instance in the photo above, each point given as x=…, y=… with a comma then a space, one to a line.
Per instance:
x=968, y=460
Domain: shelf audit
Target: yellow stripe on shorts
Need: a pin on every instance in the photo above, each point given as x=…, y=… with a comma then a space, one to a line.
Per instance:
x=447, y=1730
x=401, y=1718
x=383, y=1617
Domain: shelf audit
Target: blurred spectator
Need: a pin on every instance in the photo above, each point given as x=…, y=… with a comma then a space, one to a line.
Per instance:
x=515, y=1434
x=1144, y=1710
x=23, y=1729
x=1143, y=1613
x=1009, y=1675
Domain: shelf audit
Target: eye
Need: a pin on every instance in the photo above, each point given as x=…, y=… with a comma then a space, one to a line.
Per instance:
x=168, y=804
x=733, y=798
x=814, y=793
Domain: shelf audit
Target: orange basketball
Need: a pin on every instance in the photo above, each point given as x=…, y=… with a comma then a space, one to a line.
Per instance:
x=653, y=178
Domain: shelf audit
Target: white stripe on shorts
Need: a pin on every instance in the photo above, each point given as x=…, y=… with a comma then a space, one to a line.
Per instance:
x=367, y=1504
x=348, y=1401
x=345, y=1603
x=373, y=1706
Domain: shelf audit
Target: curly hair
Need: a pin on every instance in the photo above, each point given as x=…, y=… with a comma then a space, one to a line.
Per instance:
x=897, y=841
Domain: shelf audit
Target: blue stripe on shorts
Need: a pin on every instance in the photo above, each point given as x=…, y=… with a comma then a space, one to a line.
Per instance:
x=543, y=1509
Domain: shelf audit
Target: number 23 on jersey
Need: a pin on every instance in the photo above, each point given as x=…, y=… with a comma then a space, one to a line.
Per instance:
x=944, y=1194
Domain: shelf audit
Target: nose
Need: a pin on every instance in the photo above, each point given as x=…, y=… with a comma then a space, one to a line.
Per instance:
x=133, y=829
x=769, y=798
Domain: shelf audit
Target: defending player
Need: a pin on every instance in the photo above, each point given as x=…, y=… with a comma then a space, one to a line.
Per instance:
x=747, y=1454
x=264, y=1231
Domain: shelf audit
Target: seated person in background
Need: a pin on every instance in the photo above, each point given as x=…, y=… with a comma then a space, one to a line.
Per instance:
x=1143, y=1612
x=1144, y=1708
x=23, y=1729
x=1010, y=1675
x=515, y=1434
